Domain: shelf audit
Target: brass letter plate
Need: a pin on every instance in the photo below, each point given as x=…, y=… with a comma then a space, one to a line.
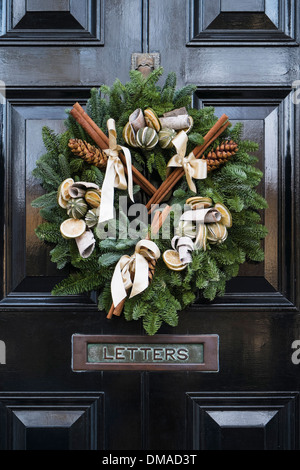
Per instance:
x=157, y=353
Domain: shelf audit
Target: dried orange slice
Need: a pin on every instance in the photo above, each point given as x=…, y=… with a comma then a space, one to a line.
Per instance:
x=128, y=135
x=61, y=201
x=226, y=215
x=72, y=228
x=172, y=260
x=151, y=119
x=63, y=190
x=198, y=202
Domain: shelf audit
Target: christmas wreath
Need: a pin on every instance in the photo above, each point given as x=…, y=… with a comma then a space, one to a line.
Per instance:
x=141, y=143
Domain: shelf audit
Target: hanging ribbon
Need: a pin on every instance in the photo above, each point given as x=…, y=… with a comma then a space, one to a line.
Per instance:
x=115, y=174
x=184, y=246
x=133, y=271
x=193, y=167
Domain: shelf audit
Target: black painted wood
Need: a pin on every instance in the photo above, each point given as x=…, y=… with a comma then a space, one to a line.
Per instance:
x=53, y=22
x=253, y=401
x=52, y=421
x=249, y=22
x=245, y=421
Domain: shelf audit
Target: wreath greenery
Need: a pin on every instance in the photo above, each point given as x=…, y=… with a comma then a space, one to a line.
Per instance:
x=233, y=184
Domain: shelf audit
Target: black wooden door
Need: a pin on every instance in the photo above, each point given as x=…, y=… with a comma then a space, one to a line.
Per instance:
x=244, y=58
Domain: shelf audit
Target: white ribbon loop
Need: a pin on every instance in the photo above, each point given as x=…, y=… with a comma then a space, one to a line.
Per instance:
x=202, y=216
x=193, y=167
x=115, y=174
x=133, y=271
x=184, y=246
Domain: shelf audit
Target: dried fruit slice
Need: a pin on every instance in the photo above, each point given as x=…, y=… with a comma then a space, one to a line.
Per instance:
x=198, y=202
x=92, y=217
x=72, y=228
x=129, y=135
x=172, y=260
x=63, y=190
x=151, y=119
x=217, y=233
x=93, y=198
x=226, y=215
x=165, y=138
x=146, y=138
x=61, y=201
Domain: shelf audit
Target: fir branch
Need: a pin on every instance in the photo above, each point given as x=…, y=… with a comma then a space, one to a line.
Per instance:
x=78, y=283
x=47, y=200
x=48, y=232
x=65, y=171
x=47, y=174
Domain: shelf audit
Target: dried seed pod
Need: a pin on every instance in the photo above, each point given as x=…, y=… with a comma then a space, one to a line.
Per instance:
x=165, y=137
x=147, y=138
x=77, y=208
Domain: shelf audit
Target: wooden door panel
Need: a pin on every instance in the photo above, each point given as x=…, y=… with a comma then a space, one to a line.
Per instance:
x=28, y=273
x=254, y=421
x=52, y=421
x=268, y=117
x=71, y=22
x=240, y=63
x=254, y=22
x=83, y=56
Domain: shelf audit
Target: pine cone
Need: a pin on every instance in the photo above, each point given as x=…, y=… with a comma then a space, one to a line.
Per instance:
x=152, y=264
x=220, y=155
x=88, y=153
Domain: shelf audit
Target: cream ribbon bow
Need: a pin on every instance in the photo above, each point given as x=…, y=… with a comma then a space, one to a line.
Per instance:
x=133, y=271
x=193, y=167
x=115, y=174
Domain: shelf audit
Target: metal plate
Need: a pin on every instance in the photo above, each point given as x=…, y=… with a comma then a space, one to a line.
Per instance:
x=158, y=353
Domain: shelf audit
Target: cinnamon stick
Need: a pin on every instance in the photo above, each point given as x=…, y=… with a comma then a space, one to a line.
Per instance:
x=158, y=221
x=88, y=128
x=212, y=132
x=92, y=123
x=177, y=174
x=102, y=141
